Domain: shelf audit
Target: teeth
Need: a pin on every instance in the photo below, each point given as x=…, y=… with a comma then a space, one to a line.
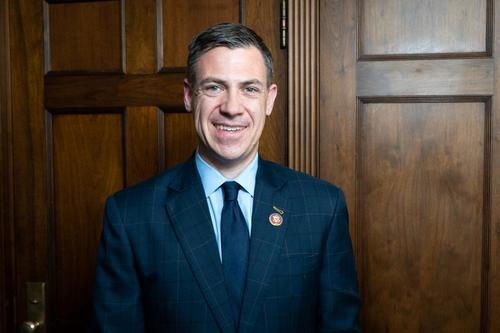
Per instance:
x=228, y=128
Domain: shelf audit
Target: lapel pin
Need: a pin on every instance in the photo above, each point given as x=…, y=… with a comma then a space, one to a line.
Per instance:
x=275, y=219
x=279, y=210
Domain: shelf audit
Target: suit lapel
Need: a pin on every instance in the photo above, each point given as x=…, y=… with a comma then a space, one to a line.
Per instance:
x=188, y=211
x=265, y=243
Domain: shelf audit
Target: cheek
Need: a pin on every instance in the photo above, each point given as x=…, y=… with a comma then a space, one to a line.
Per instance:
x=259, y=115
x=198, y=121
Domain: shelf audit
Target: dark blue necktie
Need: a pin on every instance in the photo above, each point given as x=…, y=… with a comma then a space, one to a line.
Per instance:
x=235, y=243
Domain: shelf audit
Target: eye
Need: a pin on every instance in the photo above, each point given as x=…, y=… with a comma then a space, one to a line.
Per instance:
x=252, y=90
x=212, y=89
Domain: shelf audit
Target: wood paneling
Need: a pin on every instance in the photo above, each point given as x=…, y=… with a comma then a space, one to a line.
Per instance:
x=29, y=149
x=87, y=166
x=115, y=91
x=180, y=137
x=493, y=186
x=337, y=105
x=396, y=27
x=182, y=20
x=410, y=130
x=6, y=178
x=143, y=144
x=263, y=17
x=303, y=86
x=421, y=206
x=141, y=37
x=425, y=77
x=84, y=37
x=144, y=140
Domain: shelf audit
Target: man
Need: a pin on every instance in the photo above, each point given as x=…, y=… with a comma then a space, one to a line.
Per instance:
x=227, y=242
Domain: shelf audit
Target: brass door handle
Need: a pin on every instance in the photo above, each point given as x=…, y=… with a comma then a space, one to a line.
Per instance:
x=35, y=305
x=29, y=326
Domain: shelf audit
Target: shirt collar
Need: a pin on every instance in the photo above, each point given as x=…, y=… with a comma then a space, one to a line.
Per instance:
x=212, y=179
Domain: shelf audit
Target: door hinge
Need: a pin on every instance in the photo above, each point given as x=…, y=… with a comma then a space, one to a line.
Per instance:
x=284, y=24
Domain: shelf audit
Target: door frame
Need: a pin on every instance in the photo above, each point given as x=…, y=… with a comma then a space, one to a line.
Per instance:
x=6, y=194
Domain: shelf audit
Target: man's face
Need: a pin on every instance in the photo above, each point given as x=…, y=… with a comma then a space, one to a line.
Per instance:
x=230, y=101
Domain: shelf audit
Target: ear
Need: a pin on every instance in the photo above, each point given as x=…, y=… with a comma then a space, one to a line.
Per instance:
x=188, y=94
x=271, y=97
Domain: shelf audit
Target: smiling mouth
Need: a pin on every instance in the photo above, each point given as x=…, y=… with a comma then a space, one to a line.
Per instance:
x=227, y=128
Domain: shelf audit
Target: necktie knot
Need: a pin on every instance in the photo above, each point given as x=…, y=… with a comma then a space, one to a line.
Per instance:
x=230, y=190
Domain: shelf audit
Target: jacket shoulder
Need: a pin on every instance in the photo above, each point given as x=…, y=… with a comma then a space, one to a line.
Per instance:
x=148, y=189
x=303, y=180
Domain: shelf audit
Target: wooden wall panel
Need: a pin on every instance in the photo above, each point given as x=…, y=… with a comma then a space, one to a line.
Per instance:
x=141, y=36
x=493, y=323
x=337, y=107
x=144, y=157
x=180, y=138
x=144, y=139
x=423, y=27
x=84, y=37
x=425, y=77
x=70, y=91
x=182, y=20
x=421, y=203
x=6, y=179
x=29, y=151
x=88, y=165
x=409, y=128
x=263, y=17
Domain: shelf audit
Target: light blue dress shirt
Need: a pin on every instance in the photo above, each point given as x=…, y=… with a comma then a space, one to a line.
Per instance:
x=212, y=181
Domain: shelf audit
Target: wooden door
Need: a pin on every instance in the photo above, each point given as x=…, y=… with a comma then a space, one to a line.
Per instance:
x=409, y=126
x=95, y=105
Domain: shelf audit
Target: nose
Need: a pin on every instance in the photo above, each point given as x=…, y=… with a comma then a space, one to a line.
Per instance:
x=231, y=105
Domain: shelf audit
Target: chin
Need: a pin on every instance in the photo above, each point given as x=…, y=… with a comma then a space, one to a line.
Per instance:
x=230, y=158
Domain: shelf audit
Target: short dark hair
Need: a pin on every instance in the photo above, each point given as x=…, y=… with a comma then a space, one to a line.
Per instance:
x=232, y=36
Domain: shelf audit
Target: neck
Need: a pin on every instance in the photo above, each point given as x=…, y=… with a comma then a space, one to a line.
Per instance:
x=228, y=168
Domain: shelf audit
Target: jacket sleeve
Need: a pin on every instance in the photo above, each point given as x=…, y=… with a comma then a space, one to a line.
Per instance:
x=117, y=303
x=339, y=299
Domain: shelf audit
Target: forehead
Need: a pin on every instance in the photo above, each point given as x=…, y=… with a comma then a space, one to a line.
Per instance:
x=239, y=64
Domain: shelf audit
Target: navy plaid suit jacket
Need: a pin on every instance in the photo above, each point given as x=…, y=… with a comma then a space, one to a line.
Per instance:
x=159, y=269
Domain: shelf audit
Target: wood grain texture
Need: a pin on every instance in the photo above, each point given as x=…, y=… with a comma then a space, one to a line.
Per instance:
x=182, y=20
x=425, y=77
x=396, y=27
x=493, y=184
x=28, y=142
x=443, y=276
x=180, y=138
x=264, y=18
x=142, y=123
x=6, y=174
x=421, y=205
x=140, y=36
x=88, y=166
x=115, y=91
x=337, y=101
x=142, y=145
x=85, y=37
x=303, y=86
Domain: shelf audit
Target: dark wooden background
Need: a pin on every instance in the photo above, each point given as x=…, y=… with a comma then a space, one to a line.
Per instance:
x=410, y=128
x=407, y=123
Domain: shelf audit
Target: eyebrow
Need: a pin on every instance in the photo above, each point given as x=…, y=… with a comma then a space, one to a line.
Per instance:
x=212, y=79
x=223, y=82
x=254, y=81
